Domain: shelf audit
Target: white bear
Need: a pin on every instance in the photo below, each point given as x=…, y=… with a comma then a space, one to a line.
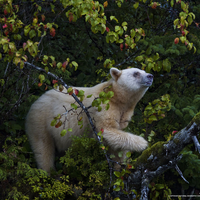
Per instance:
x=128, y=85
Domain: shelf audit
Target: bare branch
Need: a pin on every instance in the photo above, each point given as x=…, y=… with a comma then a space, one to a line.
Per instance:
x=196, y=143
x=152, y=161
x=180, y=173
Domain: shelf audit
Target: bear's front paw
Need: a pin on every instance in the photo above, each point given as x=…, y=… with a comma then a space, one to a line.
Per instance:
x=138, y=143
x=142, y=144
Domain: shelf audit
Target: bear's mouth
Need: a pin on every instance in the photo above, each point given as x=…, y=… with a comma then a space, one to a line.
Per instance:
x=148, y=83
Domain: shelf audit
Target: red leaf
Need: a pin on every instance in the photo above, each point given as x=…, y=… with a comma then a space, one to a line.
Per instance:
x=45, y=27
x=76, y=91
x=39, y=84
x=154, y=5
x=52, y=32
x=5, y=26
x=176, y=40
x=70, y=93
x=58, y=124
x=107, y=29
x=71, y=17
x=54, y=63
x=121, y=46
x=5, y=12
x=43, y=17
x=102, y=130
x=6, y=32
x=129, y=166
x=54, y=81
x=24, y=44
x=173, y=132
x=64, y=64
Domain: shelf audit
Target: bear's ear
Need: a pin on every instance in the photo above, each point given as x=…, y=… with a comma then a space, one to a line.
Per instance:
x=115, y=73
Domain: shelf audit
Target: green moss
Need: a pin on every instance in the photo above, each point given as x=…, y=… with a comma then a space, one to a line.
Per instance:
x=155, y=150
x=196, y=118
x=176, y=141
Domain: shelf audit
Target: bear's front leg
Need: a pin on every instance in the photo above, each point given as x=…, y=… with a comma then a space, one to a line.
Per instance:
x=121, y=140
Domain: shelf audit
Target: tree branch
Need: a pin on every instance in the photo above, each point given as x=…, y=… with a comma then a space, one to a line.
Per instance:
x=152, y=161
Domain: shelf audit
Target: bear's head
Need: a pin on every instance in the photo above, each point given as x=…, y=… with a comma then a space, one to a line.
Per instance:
x=132, y=80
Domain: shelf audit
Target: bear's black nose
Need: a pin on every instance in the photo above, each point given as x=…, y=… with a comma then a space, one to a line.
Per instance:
x=150, y=76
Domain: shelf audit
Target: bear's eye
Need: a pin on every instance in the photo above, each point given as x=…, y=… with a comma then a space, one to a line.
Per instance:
x=136, y=74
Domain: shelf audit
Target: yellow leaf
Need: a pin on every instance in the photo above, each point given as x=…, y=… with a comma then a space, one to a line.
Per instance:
x=105, y=4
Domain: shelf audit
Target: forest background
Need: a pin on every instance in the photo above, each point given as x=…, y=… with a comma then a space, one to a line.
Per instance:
x=80, y=41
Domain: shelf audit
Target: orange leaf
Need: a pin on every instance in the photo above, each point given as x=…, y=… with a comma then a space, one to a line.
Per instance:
x=176, y=40
x=58, y=124
x=105, y=4
x=52, y=32
x=43, y=17
x=121, y=46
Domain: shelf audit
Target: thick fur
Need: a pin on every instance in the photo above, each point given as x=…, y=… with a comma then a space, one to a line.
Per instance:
x=128, y=85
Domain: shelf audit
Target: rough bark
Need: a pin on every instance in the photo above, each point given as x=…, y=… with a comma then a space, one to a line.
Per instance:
x=162, y=156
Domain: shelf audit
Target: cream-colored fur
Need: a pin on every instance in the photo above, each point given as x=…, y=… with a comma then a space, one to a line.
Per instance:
x=128, y=85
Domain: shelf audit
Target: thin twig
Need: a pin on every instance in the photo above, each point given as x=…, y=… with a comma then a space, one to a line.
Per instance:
x=180, y=173
x=196, y=143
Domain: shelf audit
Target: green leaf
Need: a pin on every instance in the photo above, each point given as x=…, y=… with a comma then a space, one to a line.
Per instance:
x=160, y=186
x=152, y=118
x=63, y=132
x=75, y=65
x=124, y=24
x=117, y=174
x=53, y=123
x=113, y=17
x=26, y=30
x=69, y=129
x=89, y=96
x=128, y=154
x=107, y=106
x=120, y=154
x=117, y=28
x=59, y=65
x=80, y=93
x=139, y=58
x=99, y=108
x=112, y=156
x=32, y=33
x=172, y=3
x=166, y=65
x=74, y=106
x=117, y=189
x=136, y=5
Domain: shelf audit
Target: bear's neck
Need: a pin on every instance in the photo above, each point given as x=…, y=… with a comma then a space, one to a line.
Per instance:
x=124, y=98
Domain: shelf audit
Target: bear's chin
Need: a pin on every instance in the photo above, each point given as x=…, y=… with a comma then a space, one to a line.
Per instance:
x=147, y=84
